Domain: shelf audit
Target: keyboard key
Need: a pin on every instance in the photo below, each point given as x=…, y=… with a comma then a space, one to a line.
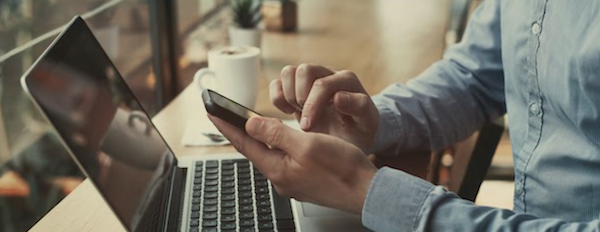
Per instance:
x=227, y=173
x=246, y=215
x=246, y=208
x=226, y=166
x=263, y=203
x=245, y=188
x=261, y=190
x=198, y=186
x=213, y=229
x=211, y=188
x=227, y=203
x=210, y=201
x=196, y=200
x=246, y=222
x=198, y=181
x=196, y=193
x=263, y=196
x=212, y=170
x=228, y=184
x=265, y=217
x=194, y=223
x=209, y=223
x=245, y=182
x=209, y=216
x=243, y=176
x=264, y=210
x=211, y=182
x=244, y=163
x=245, y=194
x=195, y=207
x=210, y=208
x=228, y=218
x=227, y=178
x=210, y=195
x=212, y=164
x=265, y=225
x=228, y=161
x=247, y=229
x=211, y=176
x=261, y=183
x=195, y=215
x=198, y=175
x=243, y=170
x=228, y=211
x=227, y=190
x=227, y=197
x=194, y=229
x=246, y=201
x=199, y=163
x=228, y=226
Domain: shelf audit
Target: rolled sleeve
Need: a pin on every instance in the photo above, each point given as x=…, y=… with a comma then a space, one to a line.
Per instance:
x=394, y=201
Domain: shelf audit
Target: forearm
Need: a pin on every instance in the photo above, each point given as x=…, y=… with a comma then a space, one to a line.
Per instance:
x=397, y=201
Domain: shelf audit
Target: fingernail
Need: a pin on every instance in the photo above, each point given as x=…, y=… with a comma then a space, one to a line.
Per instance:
x=304, y=123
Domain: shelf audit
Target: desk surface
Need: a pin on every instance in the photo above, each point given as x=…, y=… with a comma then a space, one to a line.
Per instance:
x=383, y=41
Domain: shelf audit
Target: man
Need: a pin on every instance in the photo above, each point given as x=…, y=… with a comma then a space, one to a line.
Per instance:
x=538, y=61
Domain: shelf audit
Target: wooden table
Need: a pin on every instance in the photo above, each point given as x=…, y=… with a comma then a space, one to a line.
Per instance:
x=382, y=41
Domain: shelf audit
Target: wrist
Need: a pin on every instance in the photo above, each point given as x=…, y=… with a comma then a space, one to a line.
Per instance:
x=361, y=188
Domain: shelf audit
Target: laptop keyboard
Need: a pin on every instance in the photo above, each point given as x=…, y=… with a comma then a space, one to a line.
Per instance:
x=232, y=195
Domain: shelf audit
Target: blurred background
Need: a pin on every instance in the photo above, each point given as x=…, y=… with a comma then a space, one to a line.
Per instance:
x=156, y=45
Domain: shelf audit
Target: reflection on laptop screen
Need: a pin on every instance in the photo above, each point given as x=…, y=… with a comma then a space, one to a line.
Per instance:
x=103, y=125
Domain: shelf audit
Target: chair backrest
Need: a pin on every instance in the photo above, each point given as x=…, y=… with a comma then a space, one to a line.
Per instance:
x=472, y=159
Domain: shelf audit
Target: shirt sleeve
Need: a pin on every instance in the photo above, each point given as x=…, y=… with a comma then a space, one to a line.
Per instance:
x=397, y=201
x=451, y=99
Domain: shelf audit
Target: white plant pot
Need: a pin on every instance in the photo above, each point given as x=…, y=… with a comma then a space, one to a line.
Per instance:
x=245, y=37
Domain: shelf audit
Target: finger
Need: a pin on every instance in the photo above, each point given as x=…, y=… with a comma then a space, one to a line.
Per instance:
x=306, y=74
x=322, y=93
x=359, y=106
x=288, y=83
x=254, y=150
x=277, y=98
x=274, y=133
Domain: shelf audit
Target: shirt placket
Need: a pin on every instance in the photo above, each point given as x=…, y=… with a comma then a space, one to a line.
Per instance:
x=535, y=103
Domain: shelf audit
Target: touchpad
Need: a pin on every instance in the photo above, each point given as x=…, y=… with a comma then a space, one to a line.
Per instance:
x=312, y=210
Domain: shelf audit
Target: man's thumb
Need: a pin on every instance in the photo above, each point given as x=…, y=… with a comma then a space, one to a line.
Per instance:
x=357, y=105
x=273, y=132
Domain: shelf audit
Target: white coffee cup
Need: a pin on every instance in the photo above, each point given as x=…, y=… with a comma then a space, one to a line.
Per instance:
x=235, y=71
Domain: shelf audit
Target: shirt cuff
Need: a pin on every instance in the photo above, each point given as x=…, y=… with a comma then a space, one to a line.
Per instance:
x=394, y=201
x=388, y=130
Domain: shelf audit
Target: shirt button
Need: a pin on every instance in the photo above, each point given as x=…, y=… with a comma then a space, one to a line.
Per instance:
x=518, y=189
x=534, y=108
x=536, y=28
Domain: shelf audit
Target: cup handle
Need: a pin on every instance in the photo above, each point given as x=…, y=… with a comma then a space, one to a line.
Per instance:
x=200, y=74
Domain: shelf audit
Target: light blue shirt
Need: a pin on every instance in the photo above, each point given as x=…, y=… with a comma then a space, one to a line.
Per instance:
x=538, y=61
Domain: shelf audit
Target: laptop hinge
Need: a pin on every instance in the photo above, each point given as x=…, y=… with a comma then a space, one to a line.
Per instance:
x=175, y=200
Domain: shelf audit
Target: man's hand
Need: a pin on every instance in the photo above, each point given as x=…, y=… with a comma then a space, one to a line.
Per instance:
x=327, y=101
x=311, y=167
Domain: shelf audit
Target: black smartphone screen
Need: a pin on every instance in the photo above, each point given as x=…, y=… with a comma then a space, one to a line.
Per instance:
x=226, y=109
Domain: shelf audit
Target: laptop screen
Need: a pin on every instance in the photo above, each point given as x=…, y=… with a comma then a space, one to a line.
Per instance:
x=103, y=125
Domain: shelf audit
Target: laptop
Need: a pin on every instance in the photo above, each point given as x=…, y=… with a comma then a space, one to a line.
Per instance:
x=113, y=141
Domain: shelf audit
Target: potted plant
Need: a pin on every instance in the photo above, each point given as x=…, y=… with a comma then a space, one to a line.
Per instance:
x=280, y=15
x=246, y=17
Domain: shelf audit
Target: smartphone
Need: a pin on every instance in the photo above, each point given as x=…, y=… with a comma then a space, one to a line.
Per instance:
x=224, y=108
